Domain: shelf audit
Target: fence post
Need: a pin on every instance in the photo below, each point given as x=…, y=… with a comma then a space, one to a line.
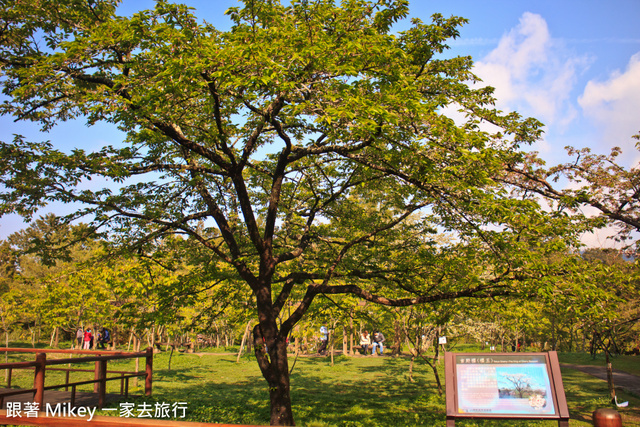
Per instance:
x=102, y=390
x=38, y=379
x=149, y=371
x=73, y=395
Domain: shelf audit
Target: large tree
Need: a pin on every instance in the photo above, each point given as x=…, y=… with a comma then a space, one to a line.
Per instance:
x=306, y=149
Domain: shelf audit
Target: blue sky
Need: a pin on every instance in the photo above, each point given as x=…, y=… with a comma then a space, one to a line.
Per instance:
x=572, y=64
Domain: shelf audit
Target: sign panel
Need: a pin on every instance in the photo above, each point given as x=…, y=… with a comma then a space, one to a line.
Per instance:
x=504, y=385
x=494, y=384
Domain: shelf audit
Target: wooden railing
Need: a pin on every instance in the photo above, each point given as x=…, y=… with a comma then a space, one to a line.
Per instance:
x=100, y=358
x=101, y=421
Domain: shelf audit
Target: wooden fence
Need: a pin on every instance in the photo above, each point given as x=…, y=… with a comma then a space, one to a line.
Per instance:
x=100, y=421
x=101, y=358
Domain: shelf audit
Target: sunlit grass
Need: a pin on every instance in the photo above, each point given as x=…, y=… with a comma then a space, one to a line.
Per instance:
x=354, y=392
x=629, y=364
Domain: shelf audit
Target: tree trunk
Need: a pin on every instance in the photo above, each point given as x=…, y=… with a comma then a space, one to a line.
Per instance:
x=170, y=356
x=244, y=339
x=413, y=358
x=331, y=338
x=131, y=337
x=351, y=350
x=436, y=359
x=612, y=388
x=114, y=334
x=152, y=344
x=53, y=336
x=571, y=338
x=345, y=343
x=136, y=348
x=397, y=339
x=296, y=348
x=271, y=355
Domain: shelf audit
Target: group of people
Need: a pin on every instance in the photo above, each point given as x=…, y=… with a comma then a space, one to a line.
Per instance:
x=85, y=338
x=366, y=341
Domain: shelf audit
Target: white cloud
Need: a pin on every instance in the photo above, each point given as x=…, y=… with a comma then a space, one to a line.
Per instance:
x=614, y=105
x=601, y=238
x=538, y=75
x=532, y=73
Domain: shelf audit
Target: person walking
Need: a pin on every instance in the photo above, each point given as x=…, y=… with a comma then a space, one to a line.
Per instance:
x=378, y=339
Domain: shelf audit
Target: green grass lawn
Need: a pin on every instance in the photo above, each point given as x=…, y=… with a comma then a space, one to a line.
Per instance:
x=629, y=364
x=355, y=391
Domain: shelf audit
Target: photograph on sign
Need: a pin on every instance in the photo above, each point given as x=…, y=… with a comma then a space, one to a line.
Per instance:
x=500, y=385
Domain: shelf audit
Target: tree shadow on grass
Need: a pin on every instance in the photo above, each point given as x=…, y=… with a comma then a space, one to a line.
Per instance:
x=350, y=393
x=353, y=392
x=585, y=394
x=364, y=391
x=208, y=399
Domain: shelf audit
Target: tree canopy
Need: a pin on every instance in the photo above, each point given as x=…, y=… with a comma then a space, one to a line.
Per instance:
x=306, y=151
x=599, y=182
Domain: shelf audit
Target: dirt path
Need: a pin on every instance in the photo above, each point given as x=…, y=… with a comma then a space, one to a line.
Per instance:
x=628, y=382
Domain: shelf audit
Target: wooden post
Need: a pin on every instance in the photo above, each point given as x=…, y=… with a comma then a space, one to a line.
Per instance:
x=66, y=381
x=450, y=387
x=102, y=385
x=73, y=395
x=96, y=377
x=558, y=387
x=149, y=370
x=38, y=379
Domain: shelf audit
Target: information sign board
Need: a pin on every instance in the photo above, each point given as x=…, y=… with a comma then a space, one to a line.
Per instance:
x=504, y=385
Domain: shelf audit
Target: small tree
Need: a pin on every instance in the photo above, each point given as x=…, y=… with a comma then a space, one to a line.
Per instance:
x=520, y=383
